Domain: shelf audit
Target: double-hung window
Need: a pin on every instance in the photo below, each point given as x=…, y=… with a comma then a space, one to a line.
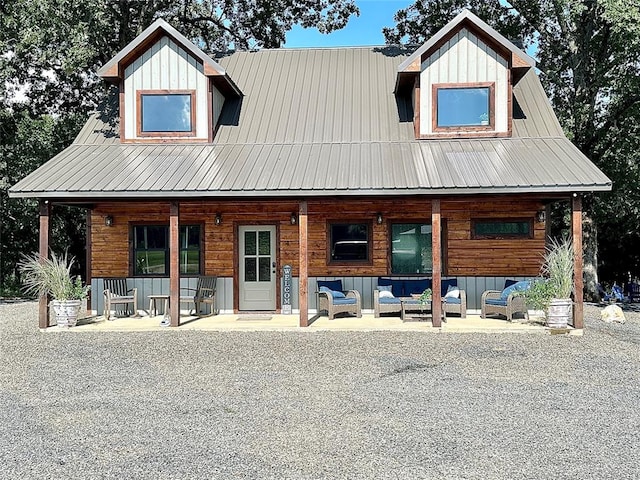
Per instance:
x=151, y=250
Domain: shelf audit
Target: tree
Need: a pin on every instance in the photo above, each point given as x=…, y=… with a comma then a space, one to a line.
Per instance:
x=51, y=51
x=589, y=55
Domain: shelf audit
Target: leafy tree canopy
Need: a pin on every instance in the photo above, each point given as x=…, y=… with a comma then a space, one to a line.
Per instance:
x=588, y=53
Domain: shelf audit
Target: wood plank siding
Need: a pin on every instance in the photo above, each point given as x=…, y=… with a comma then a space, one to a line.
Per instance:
x=111, y=246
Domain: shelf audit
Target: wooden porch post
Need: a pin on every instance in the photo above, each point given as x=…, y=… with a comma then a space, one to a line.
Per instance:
x=43, y=301
x=303, y=264
x=88, y=257
x=436, y=248
x=576, y=229
x=174, y=263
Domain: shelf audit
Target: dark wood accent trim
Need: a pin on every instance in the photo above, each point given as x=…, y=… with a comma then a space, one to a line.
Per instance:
x=416, y=107
x=347, y=221
x=303, y=268
x=43, y=301
x=464, y=135
x=174, y=263
x=463, y=128
x=154, y=140
x=88, y=256
x=436, y=253
x=210, y=120
x=140, y=133
x=121, y=106
x=576, y=229
x=445, y=247
x=475, y=221
x=236, y=266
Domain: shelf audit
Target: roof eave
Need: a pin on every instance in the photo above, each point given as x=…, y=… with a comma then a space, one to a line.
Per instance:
x=553, y=189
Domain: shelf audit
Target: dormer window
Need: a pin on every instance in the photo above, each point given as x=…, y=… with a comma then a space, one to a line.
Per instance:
x=162, y=112
x=468, y=107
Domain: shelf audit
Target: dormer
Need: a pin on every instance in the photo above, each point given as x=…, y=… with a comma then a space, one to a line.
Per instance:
x=460, y=81
x=170, y=90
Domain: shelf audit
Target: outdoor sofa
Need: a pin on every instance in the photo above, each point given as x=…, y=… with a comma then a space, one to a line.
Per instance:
x=455, y=299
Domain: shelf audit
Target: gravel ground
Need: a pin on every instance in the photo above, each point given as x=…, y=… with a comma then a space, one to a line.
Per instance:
x=309, y=405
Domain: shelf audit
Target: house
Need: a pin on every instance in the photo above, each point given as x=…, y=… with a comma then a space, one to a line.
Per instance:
x=350, y=163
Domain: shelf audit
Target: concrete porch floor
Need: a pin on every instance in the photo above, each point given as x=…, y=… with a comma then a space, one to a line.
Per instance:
x=276, y=322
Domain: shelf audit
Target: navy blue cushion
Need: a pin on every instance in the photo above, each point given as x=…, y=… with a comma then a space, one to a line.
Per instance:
x=344, y=301
x=396, y=285
x=389, y=301
x=445, y=284
x=335, y=285
x=496, y=301
x=453, y=300
x=416, y=286
x=516, y=287
x=508, y=282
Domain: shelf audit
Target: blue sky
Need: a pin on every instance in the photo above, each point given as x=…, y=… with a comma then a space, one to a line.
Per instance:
x=363, y=30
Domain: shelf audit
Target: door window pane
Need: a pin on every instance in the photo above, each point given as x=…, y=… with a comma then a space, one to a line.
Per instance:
x=264, y=264
x=250, y=273
x=249, y=243
x=264, y=243
x=411, y=248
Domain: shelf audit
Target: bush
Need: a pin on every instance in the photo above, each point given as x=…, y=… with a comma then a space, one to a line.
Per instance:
x=51, y=276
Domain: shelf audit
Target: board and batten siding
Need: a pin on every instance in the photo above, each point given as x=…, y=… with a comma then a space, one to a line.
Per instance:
x=465, y=256
x=167, y=66
x=465, y=58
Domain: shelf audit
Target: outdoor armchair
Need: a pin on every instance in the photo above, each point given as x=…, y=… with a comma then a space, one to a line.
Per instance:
x=506, y=302
x=333, y=299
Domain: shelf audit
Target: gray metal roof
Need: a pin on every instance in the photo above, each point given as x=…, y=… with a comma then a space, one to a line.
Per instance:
x=319, y=122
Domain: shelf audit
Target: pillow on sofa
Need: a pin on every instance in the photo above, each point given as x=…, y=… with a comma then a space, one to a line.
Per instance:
x=516, y=287
x=448, y=282
x=335, y=285
x=333, y=293
x=385, y=291
x=396, y=285
x=452, y=292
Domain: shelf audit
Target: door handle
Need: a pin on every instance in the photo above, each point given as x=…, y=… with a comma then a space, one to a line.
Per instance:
x=274, y=267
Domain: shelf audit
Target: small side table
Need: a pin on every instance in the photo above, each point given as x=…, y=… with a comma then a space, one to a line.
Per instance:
x=153, y=305
x=408, y=303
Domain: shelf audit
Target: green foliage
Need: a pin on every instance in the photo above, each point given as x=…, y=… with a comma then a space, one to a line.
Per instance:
x=425, y=296
x=588, y=53
x=51, y=51
x=557, y=275
x=51, y=276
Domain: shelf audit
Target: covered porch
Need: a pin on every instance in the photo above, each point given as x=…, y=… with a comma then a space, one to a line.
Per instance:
x=279, y=322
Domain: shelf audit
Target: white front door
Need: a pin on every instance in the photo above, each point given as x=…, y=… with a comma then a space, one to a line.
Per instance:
x=257, y=256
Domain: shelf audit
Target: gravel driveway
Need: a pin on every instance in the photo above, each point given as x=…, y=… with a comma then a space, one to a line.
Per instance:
x=309, y=405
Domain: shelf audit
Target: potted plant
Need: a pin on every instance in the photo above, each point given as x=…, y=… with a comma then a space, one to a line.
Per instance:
x=425, y=296
x=552, y=292
x=52, y=276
